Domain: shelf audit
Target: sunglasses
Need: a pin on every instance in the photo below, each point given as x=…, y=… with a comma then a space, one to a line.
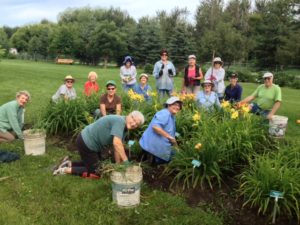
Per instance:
x=110, y=89
x=164, y=54
x=267, y=78
x=70, y=81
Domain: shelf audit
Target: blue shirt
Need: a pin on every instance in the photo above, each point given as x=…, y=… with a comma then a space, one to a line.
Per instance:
x=233, y=94
x=155, y=143
x=164, y=82
x=139, y=90
x=208, y=101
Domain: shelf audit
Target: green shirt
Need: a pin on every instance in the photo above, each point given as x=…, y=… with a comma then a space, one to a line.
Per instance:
x=266, y=97
x=11, y=118
x=100, y=134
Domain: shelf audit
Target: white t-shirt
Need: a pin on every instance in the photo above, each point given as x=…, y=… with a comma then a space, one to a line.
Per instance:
x=70, y=93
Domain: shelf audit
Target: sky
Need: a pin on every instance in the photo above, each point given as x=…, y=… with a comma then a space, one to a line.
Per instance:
x=23, y=12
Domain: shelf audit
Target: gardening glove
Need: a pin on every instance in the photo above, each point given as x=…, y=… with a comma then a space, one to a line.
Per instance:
x=170, y=71
x=127, y=163
x=160, y=73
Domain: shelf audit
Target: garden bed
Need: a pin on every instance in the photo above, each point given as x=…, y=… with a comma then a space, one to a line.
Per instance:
x=222, y=200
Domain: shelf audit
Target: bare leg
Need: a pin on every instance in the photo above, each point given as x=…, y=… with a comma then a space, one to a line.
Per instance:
x=6, y=137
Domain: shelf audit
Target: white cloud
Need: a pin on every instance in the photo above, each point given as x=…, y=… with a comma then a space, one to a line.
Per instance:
x=20, y=12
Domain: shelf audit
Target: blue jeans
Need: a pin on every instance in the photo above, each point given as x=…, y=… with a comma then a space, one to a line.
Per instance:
x=163, y=93
x=127, y=87
x=258, y=111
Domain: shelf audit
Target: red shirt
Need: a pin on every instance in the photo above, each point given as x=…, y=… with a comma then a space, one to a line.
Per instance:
x=90, y=88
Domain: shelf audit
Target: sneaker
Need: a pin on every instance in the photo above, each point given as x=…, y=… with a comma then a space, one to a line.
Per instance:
x=61, y=161
x=66, y=163
x=59, y=171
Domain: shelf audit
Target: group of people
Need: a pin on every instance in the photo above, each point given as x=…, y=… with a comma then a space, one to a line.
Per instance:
x=159, y=137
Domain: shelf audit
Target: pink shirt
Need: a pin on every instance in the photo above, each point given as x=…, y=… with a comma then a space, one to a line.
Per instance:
x=90, y=88
x=191, y=73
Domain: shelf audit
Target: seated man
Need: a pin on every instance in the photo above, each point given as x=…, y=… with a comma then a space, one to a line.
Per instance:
x=268, y=98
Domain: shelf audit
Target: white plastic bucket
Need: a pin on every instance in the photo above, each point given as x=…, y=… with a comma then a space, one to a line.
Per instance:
x=34, y=142
x=126, y=186
x=277, y=126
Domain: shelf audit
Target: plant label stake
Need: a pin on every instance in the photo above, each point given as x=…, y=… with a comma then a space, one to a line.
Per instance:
x=276, y=195
x=130, y=144
x=195, y=163
x=177, y=134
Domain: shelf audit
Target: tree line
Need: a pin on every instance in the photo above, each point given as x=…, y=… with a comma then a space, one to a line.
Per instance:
x=266, y=34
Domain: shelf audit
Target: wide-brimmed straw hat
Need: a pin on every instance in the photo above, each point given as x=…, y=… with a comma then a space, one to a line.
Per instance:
x=172, y=100
x=207, y=82
x=69, y=77
x=218, y=60
x=144, y=75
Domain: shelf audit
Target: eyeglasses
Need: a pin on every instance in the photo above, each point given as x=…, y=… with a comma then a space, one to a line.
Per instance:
x=207, y=85
x=110, y=89
x=267, y=78
x=69, y=81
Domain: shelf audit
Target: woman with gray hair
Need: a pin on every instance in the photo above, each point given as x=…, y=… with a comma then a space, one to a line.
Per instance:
x=107, y=131
x=12, y=117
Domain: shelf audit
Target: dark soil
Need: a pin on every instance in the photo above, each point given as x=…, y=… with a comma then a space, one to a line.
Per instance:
x=223, y=200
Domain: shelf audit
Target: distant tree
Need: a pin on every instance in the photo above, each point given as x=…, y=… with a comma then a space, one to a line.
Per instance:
x=4, y=39
x=181, y=44
x=146, y=42
x=20, y=39
x=2, y=52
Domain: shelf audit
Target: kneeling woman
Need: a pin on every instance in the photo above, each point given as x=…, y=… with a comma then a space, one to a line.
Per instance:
x=159, y=137
x=96, y=137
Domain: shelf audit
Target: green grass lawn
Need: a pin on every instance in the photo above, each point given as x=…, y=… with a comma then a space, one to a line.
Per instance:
x=33, y=196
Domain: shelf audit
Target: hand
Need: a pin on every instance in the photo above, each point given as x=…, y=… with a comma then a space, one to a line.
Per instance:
x=170, y=71
x=127, y=163
x=160, y=73
x=172, y=140
x=270, y=116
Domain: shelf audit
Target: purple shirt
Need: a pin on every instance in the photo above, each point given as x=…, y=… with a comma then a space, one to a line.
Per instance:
x=233, y=94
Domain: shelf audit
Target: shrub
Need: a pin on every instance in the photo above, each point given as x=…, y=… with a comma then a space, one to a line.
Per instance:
x=148, y=68
x=226, y=142
x=244, y=75
x=274, y=171
x=65, y=117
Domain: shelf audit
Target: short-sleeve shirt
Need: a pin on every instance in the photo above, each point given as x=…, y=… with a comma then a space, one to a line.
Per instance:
x=266, y=97
x=111, y=107
x=100, y=134
x=155, y=143
x=70, y=93
x=208, y=101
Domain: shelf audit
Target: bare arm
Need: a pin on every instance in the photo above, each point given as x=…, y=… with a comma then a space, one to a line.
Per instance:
x=118, y=109
x=276, y=106
x=247, y=100
x=103, y=109
x=163, y=133
x=120, y=154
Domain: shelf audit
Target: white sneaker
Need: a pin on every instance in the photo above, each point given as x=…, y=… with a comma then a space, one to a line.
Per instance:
x=66, y=163
x=60, y=171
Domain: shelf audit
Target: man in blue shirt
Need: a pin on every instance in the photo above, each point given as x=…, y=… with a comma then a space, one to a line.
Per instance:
x=233, y=91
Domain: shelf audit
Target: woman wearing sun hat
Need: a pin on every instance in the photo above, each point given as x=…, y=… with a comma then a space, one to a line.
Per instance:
x=159, y=137
x=208, y=99
x=192, y=76
x=128, y=74
x=110, y=103
x=216, y=74
x=65, y=91
x=143, y=88
x=91, y=86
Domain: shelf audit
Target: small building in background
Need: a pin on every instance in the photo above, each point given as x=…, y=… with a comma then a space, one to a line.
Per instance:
x=13, y=51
